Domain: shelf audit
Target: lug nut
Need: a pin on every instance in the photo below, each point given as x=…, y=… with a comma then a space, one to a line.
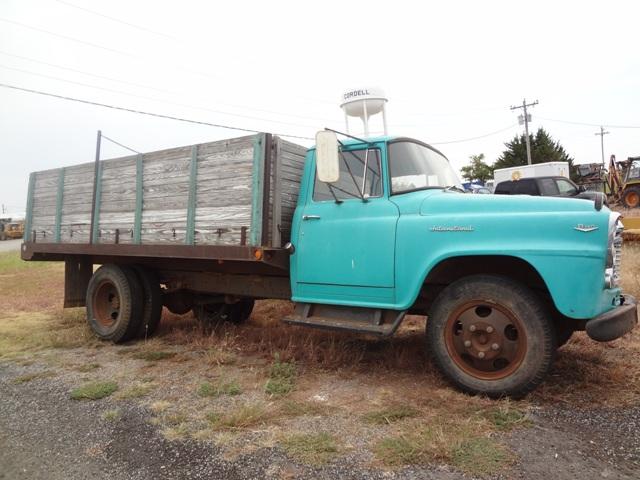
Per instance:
x=480, y=354
x=489, y=329
x=472, y=328
x=495, y=346
x=467, y=343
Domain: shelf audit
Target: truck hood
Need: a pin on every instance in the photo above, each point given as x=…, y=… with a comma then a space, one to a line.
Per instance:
x=437, y=202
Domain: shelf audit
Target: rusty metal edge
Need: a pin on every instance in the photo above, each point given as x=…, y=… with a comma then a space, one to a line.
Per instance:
x=276, y=257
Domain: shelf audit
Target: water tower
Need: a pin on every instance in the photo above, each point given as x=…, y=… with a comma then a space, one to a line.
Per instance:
x=364, y=103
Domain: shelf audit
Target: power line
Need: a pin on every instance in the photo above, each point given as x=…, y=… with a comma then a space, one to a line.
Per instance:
x=120, y=52
x=142, y=112
x=66, y=37
x=139, y=85
x=119, y=144
x=475, y=138
x=199, y=122
x=111, y=79
x=113, y=19
x=144, y=97
x=588, y=124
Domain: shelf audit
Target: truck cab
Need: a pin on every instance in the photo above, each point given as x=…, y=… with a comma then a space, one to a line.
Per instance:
x=382, y=229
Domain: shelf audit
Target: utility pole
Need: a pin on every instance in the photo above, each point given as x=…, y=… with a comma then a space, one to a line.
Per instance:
x=602, y=133
x=526, y=124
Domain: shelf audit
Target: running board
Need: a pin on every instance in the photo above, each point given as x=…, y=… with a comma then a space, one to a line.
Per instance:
x=354, y=319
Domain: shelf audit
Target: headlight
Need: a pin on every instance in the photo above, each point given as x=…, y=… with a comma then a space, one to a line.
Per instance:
x=614, y=251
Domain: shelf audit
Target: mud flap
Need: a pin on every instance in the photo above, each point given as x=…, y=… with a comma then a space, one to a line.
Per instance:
x=77, y=273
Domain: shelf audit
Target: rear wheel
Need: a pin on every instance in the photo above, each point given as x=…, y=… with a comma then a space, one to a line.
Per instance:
x=631, y=197
x=490, y=335
x=152, y=304
x=114, y=303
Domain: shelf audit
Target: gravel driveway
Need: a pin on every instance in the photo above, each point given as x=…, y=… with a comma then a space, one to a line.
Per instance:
x=46, y=435
x=10, y=245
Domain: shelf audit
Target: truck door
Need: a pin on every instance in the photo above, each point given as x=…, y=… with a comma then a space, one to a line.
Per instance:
x=343, y=239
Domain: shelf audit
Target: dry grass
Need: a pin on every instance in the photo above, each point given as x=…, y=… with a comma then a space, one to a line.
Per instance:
x=135, y=391
x=387, y=389
x=245, y=416
x=112, y=415
x=391, y=414
x=33, y=376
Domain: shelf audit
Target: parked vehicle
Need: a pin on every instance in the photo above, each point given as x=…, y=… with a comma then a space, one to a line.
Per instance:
x=14, y=230
x=379, y=231
x=11, y=229
x=548, y=169
x=621, y=183
x=548, y=187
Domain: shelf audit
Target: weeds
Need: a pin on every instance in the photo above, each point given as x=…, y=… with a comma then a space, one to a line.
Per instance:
x=314, y=448
x=112, y=415
x=207, y=389
x=505, y=417
x=281, y=378
x=481, y=456
x=94, y=391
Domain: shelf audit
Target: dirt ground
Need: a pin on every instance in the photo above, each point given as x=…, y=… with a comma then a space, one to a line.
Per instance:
x=267, y=400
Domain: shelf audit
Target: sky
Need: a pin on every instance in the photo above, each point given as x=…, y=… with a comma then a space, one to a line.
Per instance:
x=450, y=70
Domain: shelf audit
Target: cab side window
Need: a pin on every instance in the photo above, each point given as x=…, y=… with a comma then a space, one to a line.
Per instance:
x=352, y=173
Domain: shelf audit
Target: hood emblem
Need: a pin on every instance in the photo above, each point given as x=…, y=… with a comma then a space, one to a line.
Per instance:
x=585, y=228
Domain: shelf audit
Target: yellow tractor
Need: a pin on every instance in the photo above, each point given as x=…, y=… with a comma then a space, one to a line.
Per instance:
x=627, y=181
x=620, y=183
x=11, y=229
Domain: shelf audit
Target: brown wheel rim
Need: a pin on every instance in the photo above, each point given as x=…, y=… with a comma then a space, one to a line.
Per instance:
x=106, y=304
x=632, y=199
x=485, y=340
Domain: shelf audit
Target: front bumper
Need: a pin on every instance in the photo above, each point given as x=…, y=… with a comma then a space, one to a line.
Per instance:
x=614, y=323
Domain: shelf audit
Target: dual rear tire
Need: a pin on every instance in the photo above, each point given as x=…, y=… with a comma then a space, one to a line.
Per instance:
x=123, y=303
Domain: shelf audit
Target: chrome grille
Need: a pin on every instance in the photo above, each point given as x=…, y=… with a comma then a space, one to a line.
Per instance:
x=617, y=253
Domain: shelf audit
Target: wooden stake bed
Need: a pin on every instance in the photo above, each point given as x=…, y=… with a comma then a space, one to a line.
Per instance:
x=239, y=192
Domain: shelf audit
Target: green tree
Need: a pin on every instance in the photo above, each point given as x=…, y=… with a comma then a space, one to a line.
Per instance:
x=543, y=149
x=477, y=170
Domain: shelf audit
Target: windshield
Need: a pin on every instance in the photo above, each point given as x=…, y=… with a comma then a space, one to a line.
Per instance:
x=414, y=166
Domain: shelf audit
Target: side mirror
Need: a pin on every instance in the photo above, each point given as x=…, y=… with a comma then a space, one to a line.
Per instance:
x=582, y=188
x=327, y=157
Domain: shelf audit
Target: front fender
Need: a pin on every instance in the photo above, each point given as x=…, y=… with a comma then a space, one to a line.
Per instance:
x=571, y=263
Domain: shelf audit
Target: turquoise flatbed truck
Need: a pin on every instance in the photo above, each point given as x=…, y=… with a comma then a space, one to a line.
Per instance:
x=358, y=233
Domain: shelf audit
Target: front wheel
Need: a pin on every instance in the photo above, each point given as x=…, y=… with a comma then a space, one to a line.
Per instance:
x=490, y=335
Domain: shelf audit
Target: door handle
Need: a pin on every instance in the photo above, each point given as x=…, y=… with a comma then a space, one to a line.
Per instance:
x=311, y=217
